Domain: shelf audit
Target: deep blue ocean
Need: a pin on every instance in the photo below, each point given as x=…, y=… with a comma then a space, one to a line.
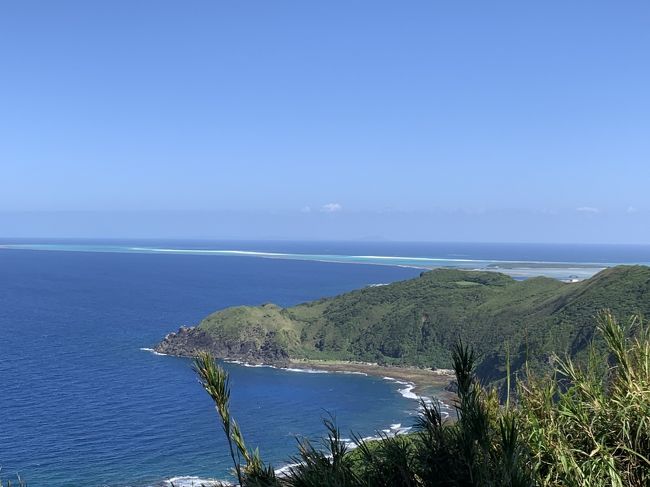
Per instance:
x=81, y=404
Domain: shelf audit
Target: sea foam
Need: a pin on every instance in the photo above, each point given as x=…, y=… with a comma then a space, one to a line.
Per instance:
x=151, y=350
x=193, y=481
x=562, y=270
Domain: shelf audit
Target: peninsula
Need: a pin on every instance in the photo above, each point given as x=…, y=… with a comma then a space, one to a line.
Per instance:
x=414, y=323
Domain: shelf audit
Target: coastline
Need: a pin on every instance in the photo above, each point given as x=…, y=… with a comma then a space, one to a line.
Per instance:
x=419, y=384
x=423, y=380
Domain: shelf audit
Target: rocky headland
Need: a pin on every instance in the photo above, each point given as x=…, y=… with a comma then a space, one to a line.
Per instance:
x=189, y=341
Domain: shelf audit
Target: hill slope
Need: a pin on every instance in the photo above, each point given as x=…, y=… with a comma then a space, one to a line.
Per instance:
x=415, y=322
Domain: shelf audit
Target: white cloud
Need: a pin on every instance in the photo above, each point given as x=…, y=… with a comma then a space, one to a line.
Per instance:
x=588, y=209
x=305, y=209
x=331, y=208
x=631, y=209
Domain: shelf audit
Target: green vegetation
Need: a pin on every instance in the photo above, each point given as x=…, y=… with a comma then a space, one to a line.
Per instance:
x=582, y=426
x=252, y=324
x=215, y=381
x=417, y=322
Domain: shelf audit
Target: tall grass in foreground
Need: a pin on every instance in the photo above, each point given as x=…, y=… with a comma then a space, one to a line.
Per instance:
x=591, y=426
x=581, y=426
x=215, y=381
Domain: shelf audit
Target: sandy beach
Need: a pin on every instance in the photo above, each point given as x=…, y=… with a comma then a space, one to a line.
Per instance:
x=424, y=380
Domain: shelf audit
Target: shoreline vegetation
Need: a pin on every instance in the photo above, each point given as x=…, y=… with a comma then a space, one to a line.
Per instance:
x=410, y=326
x=580, y=425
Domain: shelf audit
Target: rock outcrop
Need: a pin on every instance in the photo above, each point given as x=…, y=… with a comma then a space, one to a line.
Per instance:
x=189, y=341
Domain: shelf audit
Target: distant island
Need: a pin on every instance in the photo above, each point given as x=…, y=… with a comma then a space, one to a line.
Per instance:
x=414, y=323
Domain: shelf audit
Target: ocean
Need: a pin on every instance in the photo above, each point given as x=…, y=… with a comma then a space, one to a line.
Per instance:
x=83, y=403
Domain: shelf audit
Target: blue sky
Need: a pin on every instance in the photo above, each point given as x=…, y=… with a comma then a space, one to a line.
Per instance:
x=488, y=121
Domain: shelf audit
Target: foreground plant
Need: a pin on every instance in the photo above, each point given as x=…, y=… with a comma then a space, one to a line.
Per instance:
x=584, y=426
x=330, y=466
x=216, y=383
x=590, y=426
x=482, y=447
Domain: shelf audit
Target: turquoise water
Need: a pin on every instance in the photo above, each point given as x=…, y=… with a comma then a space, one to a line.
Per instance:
x=82, y=404
x=562, y=264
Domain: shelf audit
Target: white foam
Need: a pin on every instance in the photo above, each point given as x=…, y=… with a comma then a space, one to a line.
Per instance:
x=283, y=471
x=294, y=369
x=305, y=371
x=420, y=259
x=398, y=259
x=211, y=251
x=192, y=481
x=397, y=381
x=248, y=364
x=524, y=269
x=268, y=366
x=151, y=350
x=407, y=392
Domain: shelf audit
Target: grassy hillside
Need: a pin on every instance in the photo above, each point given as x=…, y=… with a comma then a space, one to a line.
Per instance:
x=416, y=322
x=253, y=324
x=578, y=426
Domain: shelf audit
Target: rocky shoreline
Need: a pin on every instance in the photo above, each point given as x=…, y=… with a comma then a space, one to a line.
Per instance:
x=189, y=341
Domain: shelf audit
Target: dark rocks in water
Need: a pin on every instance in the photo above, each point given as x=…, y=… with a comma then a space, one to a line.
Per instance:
x=189, y=341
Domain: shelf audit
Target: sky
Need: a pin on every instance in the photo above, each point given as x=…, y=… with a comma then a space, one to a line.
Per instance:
x=420, y=120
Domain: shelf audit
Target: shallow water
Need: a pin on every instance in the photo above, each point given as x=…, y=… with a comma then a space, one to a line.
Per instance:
x=521, y=261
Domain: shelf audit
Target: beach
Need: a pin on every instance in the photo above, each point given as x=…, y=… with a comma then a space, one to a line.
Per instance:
x=424, y=381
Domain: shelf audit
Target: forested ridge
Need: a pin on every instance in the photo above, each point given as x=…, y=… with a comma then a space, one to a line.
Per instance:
x=417, y=321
